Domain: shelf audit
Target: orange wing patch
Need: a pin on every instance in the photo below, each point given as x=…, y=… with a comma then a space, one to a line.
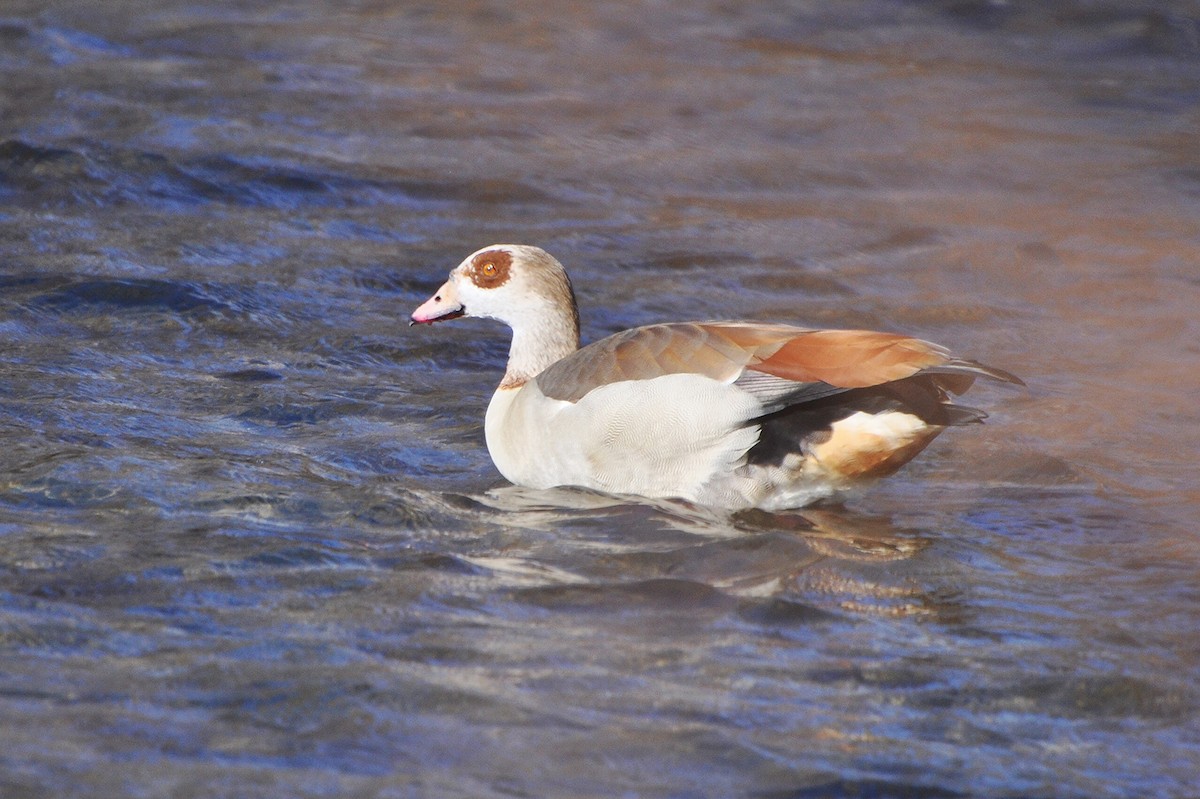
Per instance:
x=851, y=358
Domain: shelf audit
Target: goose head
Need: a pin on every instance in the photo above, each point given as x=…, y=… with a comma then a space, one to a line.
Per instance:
x=522, y=286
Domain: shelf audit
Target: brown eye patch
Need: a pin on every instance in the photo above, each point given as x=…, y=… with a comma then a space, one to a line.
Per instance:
x=490, y=269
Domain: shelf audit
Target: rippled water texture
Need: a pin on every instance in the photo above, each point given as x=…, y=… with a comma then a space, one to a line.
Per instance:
x=251, y=544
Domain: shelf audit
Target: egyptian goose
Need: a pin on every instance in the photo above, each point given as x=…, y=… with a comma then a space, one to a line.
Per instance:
x=725, y=414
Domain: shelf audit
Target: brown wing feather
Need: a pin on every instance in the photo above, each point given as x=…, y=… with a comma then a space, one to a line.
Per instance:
x=724, y=350
x=644, y=353
x=852, y=358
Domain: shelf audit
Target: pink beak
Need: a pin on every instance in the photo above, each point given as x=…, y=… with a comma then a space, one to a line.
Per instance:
x=441, y=306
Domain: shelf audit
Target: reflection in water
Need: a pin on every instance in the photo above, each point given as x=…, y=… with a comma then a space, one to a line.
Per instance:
x=830, y=558
x=250, y=534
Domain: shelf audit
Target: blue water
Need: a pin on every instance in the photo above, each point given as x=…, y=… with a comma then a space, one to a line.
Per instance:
x=252, y=545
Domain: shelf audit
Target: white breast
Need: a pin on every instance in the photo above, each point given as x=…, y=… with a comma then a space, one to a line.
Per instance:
x=665, y=437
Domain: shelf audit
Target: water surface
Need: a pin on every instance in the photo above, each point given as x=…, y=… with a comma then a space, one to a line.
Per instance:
x=251, y=543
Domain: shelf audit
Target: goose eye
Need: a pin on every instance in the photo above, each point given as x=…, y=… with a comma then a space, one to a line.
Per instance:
x=490, y=269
